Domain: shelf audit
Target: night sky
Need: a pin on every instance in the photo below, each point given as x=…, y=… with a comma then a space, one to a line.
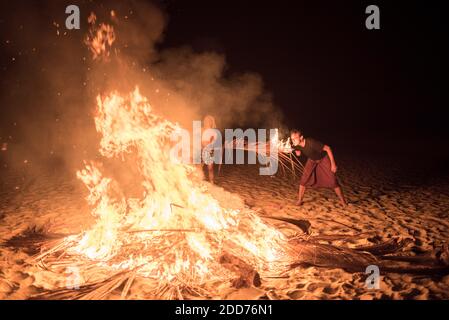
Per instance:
x=331, y=77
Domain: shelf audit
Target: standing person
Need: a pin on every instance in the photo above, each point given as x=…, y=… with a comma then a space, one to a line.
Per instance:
x=207, y=142
x=320, y=169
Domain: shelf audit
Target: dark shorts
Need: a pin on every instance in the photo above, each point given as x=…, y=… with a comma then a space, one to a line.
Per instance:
x=318, y=174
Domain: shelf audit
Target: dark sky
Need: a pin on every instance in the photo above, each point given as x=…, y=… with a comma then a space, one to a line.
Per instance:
x=331, y=76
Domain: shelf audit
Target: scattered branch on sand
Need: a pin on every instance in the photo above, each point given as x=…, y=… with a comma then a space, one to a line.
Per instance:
x=356, y=260
x=392, y=246
x=313, y=253
x=32, y=239
x=304, y=225
x=340, y=237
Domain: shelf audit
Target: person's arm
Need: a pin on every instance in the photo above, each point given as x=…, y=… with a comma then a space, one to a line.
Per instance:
x=328, y=150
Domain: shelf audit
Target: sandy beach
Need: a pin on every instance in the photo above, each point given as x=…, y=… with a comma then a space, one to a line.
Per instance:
x=105, y=104
x=383, y=204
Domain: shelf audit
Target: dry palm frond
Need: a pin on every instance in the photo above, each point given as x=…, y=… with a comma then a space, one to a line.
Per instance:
x=287, y=162
x=32, y=239
x=109, y=282
x=91, y=291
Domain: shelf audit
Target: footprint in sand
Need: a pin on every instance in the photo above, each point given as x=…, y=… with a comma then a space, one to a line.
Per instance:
x=296, y=294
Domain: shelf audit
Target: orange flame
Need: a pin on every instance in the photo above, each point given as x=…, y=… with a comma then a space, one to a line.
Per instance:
x=176, y=229
x=100, y=39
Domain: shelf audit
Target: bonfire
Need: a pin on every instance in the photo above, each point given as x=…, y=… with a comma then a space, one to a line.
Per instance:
x=176, y=232
x=176, y=235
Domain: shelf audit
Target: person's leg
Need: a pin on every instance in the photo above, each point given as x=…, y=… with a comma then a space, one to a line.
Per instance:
x=302, y=190
x=340, y=195
x=328, y=179
x=210, y=168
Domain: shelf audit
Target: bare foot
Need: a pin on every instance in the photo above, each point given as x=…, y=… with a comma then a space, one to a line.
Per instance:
x=299, y=203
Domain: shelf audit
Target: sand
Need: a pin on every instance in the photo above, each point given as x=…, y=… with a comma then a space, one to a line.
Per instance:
x=386, y=199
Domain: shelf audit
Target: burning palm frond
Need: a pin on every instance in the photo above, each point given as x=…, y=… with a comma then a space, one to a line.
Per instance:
x=272, y=151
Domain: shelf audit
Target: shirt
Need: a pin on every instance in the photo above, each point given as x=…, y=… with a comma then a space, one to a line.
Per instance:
x=312, y=149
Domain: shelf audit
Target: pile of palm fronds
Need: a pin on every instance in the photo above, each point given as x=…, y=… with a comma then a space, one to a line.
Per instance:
x=389, y=256
x=97, y=279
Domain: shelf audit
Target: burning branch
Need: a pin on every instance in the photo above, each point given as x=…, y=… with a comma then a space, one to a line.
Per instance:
x=282, y=155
